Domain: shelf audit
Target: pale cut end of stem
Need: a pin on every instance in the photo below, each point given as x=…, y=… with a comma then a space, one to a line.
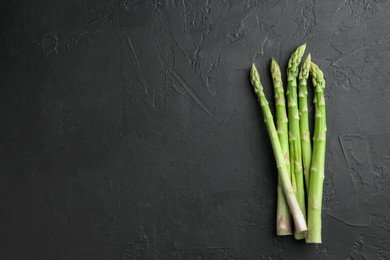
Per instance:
x=300, y=236
x=300, y=224
x=310, y=240
x=283, y=227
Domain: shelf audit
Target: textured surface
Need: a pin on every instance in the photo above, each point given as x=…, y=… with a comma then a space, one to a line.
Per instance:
x=129, y=129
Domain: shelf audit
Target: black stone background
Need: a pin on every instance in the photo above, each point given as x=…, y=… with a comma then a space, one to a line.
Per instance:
x=129, y=129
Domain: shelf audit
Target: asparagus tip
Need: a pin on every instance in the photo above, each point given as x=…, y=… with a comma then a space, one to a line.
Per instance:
x=275, y=69
x=300, y=51
x=255, y=78
x=305, y=68
x=295, y=60
x=317, y=75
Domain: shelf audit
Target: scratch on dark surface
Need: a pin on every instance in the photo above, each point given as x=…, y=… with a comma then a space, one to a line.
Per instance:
x=87, y=34
x=358, y=163
x=262, y=45
x=182, y=50
x=346, y=223
x=139, y=69
x=341, y=78
x=345, y=157
x=284, y=7
x=178, y=90
x=281, y=15
x=126, y=5
x=185, y=19
x=350, y=53
x=214, y=65
x=195, y=54
x=189, y=90
x=343, y=149
x=275, y=3
x=332, y=44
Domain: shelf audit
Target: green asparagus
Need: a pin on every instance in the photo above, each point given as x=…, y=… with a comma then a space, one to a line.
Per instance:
x=299, y=219
x=318, y=158
x=283, y=216
x=294, y=132
x=304, y=119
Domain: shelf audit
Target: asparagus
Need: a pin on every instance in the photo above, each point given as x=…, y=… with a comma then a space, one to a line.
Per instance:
x=304, y=119
x=294, y=132
x=299, y=219
x=283, y=217
x=318, y=158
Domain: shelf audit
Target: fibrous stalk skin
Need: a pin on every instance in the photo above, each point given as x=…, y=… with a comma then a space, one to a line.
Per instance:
x=304, y=119
x=318, y=158
x=294, y=131
x=299, y=219
x=283, y=216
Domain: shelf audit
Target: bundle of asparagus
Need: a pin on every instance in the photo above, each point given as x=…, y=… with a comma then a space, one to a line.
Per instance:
x=300, y=168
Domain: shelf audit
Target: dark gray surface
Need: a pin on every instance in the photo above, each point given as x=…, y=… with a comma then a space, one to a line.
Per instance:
x=129, y=129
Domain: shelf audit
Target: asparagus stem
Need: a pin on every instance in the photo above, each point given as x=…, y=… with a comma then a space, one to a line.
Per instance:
x=294, y=132
x=318, y=158
x=304, y=119
x=299, y=219
x=283, y=216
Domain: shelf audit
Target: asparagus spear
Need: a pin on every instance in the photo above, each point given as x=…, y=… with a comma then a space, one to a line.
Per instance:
x=318, y=158
x=299, y=219
x=283, y=216
x=294, y=133
x=304, y=119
